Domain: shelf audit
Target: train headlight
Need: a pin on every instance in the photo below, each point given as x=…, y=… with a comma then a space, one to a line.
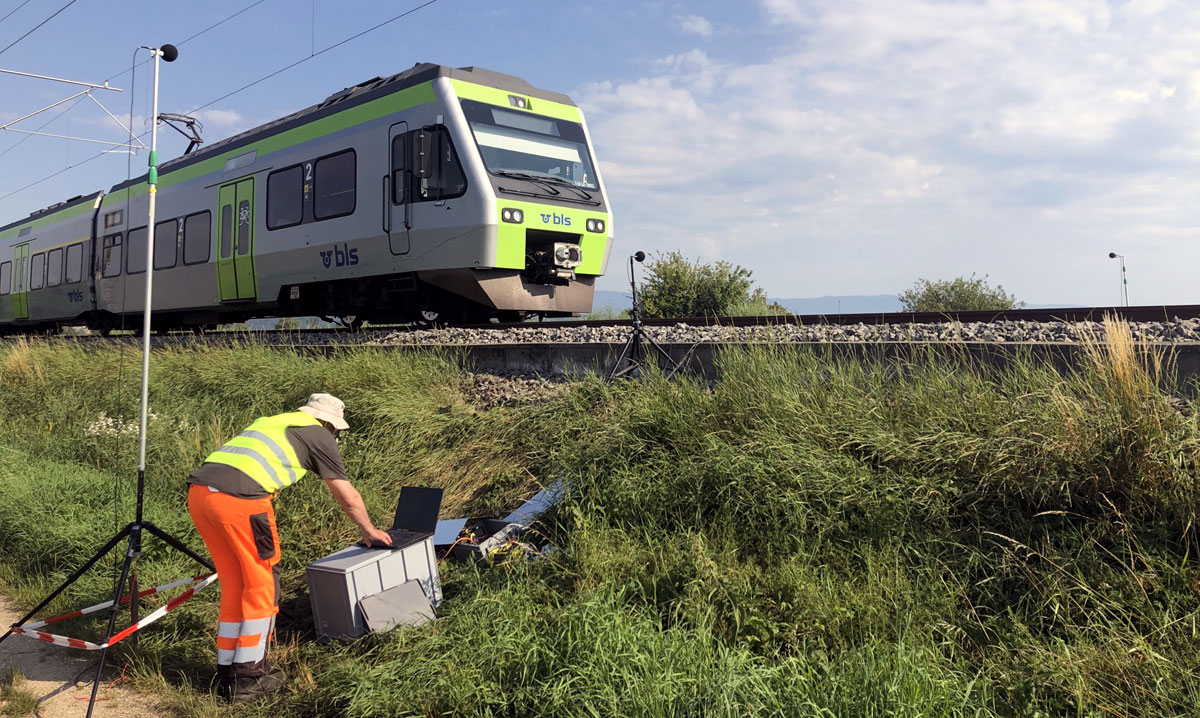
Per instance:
x=595, y=225
x=515, y=216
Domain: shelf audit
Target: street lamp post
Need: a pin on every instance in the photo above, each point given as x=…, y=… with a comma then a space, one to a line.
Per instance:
x=1124, y=280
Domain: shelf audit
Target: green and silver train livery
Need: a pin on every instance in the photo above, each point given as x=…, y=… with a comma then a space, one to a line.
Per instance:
x=438, y=194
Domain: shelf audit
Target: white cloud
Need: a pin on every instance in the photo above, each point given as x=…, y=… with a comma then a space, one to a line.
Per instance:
x=219, y=123
x=695, y=25
x=878, y=141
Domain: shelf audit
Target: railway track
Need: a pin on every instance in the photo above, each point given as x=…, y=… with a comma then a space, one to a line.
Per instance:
x=1070, y=315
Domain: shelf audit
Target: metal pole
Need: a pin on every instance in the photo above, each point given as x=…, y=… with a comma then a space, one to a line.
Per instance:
x=152, y=180
x=1124, y=282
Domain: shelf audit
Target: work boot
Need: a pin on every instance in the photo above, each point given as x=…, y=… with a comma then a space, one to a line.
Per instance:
x=249, y=688
x=224, y=683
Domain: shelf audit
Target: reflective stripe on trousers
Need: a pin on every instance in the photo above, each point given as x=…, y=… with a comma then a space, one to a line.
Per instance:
x=252, y=640
x=227, y=639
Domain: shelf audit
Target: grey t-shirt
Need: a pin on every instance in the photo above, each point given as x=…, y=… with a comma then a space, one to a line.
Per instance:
x=314, y=445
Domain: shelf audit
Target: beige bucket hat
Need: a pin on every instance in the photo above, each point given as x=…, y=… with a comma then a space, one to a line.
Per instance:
x=326, y=407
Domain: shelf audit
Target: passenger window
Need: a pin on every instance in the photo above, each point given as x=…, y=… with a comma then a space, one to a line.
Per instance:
x=5, y=278
x=197, y=238
x=54, y=267
x=166, y=243
x=37, y=271
x=111, y=261
x=226, y=231
x=74, y=263
x=244, y=227
x=135, y=251
x=334, y=185
x=285, y=198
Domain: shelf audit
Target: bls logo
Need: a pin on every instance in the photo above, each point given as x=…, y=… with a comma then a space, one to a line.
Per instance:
x=75, y=296
x=340, y=256
x=556, y=219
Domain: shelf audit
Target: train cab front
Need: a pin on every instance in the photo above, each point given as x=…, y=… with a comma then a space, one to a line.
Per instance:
x=552, y=231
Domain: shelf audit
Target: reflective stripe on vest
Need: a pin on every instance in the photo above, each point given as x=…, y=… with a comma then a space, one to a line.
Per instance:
x=264, y=453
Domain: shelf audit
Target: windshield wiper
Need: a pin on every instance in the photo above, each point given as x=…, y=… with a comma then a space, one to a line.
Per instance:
x=569, y=184
x=560, y=198
x=528, y=178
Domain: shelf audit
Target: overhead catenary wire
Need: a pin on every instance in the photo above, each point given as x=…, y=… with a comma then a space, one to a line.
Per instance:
x=131, y=71
x=311, y=55
x=10, y=12
x=230, y=94
x=35, y=27
x=121, y=73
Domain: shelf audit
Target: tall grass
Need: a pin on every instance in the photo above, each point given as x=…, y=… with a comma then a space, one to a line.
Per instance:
x=807, y=537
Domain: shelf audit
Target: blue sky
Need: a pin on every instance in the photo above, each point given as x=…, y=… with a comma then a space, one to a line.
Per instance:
x=831, y=146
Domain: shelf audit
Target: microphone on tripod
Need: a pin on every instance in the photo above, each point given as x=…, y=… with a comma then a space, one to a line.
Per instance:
x=634, y=357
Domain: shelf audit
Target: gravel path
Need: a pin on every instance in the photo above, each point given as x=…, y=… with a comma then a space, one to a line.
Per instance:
x=50, y=674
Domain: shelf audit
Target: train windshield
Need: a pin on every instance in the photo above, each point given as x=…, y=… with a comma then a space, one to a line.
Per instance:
x=520, y=143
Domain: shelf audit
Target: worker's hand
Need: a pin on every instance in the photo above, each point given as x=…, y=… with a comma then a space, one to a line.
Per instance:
x=373, y=535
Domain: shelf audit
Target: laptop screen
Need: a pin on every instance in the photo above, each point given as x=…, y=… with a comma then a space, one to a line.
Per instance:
x=418, y=509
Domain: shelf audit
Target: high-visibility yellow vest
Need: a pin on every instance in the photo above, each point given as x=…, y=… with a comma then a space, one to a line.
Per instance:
x=264, y=453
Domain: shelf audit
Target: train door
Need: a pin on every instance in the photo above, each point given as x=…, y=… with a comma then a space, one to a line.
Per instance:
x=235, y=240
x=20, y=281
x=395, y=191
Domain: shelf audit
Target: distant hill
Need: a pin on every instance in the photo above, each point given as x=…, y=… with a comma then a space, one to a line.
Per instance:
x=850, y=304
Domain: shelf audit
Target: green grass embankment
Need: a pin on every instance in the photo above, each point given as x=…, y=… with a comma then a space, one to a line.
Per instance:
x=805, y=538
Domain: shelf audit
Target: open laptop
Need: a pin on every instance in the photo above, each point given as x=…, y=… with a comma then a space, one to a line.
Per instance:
x=416, y=517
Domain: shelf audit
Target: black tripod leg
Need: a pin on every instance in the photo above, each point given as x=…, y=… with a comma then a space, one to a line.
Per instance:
x=178, y=545
x=112, y=621
x=74, y=576
x=619, y=368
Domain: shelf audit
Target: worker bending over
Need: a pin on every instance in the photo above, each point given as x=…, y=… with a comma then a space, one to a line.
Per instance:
x=230, y=501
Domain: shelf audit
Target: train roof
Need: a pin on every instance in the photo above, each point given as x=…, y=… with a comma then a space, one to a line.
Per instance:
x=52, y=209
x=358, y=94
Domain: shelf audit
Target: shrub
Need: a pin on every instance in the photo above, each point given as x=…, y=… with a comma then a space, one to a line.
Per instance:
x=678, y=287
x=958, y=294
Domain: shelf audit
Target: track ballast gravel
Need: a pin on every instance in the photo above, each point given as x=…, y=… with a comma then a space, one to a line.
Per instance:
x=1177, y=331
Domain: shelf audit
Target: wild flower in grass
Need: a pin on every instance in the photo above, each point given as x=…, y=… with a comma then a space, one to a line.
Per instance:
x=107, y=426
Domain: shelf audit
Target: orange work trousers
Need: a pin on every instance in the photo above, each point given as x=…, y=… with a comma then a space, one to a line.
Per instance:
x=244, y=543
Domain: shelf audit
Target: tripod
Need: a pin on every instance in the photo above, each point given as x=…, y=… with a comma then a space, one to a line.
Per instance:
x=133, y=530
x=634, y=355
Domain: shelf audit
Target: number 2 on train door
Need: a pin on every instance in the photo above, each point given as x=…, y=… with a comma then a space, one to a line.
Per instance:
x=235, y=241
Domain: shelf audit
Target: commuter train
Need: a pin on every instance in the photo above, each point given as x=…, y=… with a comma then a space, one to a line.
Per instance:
x=437, y=194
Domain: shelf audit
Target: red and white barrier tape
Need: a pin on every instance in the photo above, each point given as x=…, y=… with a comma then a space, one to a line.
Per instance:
x=29, y=629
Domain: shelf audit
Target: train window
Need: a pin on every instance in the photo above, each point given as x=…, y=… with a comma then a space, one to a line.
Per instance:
x=37, y=271
x=166, y=244
x=243, y=243
x=54, y=267
x=285, y=198
x=135, y=251
x=75, y=263
x=226, y=231
x=400, y=144
x=446, y=180
x=197, y=238
x=5, y=278
x=334, y=185
x=111, y=260
x=113, y=219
